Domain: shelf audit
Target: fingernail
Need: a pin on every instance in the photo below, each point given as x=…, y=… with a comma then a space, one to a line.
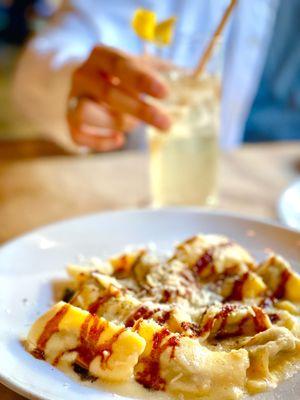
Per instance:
x=158, y=89
x=119, y=140
x=161, y=121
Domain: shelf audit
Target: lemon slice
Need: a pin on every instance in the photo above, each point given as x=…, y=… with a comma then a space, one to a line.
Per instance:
x=163, y=33
x=144, y=23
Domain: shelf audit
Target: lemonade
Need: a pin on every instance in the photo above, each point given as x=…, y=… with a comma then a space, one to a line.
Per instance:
x=184, y=161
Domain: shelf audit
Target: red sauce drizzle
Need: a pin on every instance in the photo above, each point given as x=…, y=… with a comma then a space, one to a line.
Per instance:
x=51, y=327
x=237, y=290
x=191, y=326
x=238, y=332
x=123, y=268
x=137, y=325
x=204, y=261
x=88, y=348
x=149, y=376
x=144, y=312
x=173, y=342
x=164, y=317
x=266, y=302
x=207, y=326
x=223, y=315
x=280, y=290
x=259, y=319
x=84, y=332
x=94, y=307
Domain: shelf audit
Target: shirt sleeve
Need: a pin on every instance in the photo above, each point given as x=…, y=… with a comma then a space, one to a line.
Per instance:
x=42, y=78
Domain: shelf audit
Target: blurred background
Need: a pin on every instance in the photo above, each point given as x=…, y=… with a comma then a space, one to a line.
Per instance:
x=44, y=179
x=19, y=19
x=274, y=114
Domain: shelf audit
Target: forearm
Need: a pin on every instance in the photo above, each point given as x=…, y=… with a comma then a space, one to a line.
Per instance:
x=42, y=76
x=39, y=91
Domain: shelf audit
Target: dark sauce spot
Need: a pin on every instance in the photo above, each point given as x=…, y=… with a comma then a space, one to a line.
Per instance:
x=121, y=267
x=83, y=373
x=166, y=296
x=68, y=294
x=274, y=318
x=39, y=354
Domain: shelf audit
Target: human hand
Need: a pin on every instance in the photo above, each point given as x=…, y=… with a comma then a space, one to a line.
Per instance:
x=106, y=99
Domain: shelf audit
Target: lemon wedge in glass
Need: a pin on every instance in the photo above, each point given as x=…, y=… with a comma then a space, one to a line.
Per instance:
x=143, y=23
x=164, y=31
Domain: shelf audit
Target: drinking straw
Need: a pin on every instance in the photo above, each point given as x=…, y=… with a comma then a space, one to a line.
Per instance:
x=211, y=45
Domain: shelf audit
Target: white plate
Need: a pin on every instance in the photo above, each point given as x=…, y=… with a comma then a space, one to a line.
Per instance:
x=289, y=206
x=30, y=263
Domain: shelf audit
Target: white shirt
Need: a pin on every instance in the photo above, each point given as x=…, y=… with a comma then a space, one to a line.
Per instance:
x=42, y=78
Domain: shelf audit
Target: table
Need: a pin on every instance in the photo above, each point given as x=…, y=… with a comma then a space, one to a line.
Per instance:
x=41, y=183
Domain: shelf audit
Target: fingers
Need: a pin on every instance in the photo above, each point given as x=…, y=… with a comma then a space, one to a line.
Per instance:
x=102, y=91
x=133, y=75
x=90, y=113
x=158, y=64
x=121, y=101
x=97, y=127
x=99, y=139
x=109, y=86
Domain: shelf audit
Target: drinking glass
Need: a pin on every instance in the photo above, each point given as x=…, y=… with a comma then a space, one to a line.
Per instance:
x=184, y=160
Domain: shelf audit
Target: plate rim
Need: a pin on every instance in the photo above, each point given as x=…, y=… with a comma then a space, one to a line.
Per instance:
x=190, y=209
x=18, y=388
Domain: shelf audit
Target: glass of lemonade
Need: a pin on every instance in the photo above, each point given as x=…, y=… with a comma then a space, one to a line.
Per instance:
x=184, y=160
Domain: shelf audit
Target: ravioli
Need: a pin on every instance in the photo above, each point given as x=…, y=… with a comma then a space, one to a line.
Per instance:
x=208, y=322
x=69, y=335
